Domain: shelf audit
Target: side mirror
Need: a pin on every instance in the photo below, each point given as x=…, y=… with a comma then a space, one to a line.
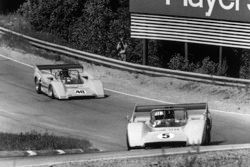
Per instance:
x=86, y=77
x=50, y=78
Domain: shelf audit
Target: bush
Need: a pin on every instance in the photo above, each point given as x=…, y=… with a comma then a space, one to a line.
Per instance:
x=36, y=141
x=245, y=66
x=38, y=13
x=208, y=67
x=9, y=6
x=177, y=62
x=90, y=25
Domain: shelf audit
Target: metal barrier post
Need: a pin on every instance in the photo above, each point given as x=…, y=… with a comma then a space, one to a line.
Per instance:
x=186, y=54
x=220, y=57
x=145, y=52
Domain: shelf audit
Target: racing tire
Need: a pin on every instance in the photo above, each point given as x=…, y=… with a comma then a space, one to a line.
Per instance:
x=38, y=86
x=127, y=142
x=208, y=133
x=208, y=138
x=51, y=92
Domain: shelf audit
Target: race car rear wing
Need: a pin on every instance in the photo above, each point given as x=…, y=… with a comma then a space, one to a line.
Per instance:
x=59, y=66
x=145, y=109
x=186, y=106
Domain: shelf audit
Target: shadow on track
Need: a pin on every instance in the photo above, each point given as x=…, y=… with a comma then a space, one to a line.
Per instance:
x=87, y=97
x=217, y=142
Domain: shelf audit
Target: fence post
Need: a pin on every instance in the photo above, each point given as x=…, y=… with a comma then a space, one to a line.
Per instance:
x=220, y=57
x=145, y=52
x=186, y=54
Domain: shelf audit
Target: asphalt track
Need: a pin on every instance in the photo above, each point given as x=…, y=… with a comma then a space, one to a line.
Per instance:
x=102, y=121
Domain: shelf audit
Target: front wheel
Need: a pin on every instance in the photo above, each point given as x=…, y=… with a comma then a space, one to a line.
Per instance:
x=208, y=134
x=38, y=86
x=51, y=92
x=208, y=138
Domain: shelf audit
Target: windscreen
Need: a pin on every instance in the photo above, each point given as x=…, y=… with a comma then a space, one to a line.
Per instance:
x=69, y=76
x=168, y=117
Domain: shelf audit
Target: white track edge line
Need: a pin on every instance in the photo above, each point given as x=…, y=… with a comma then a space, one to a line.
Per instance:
x=25, y=64
x=141, y=97
x=127, y=94
x=61, y=152
x=160, y=101
x=31, y=153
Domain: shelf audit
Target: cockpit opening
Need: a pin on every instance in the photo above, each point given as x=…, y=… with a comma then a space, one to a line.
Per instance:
x=168, y=117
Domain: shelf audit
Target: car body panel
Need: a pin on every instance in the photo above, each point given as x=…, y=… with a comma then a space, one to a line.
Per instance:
x=165, y=135
x=194, y=130
x=66, y=81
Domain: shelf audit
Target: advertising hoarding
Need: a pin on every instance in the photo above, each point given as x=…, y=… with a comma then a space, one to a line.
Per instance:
x=212, y=22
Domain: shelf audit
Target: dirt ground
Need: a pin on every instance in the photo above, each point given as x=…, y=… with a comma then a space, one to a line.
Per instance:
x=229, y=99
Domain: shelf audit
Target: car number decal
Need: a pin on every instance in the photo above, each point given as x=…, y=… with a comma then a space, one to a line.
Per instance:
x=166, y=136
x=80, y=92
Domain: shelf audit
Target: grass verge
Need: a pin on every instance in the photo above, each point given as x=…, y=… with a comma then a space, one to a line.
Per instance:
x=236, y=158
x=37, y=141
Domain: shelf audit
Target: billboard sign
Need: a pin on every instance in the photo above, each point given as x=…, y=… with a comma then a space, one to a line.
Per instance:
x=230, y=10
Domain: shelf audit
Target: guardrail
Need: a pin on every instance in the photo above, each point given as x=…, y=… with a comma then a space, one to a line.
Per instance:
x=211, y=155
x=219, y=80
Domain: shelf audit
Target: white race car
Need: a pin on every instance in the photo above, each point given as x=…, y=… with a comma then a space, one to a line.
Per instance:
x=66, y=80
x=175, y=124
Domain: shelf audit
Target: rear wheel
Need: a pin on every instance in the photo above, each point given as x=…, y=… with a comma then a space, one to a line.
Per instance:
x=51, y=92
x=127, y=141
x=38, y=86
x=207, y=137
x=208, y=133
